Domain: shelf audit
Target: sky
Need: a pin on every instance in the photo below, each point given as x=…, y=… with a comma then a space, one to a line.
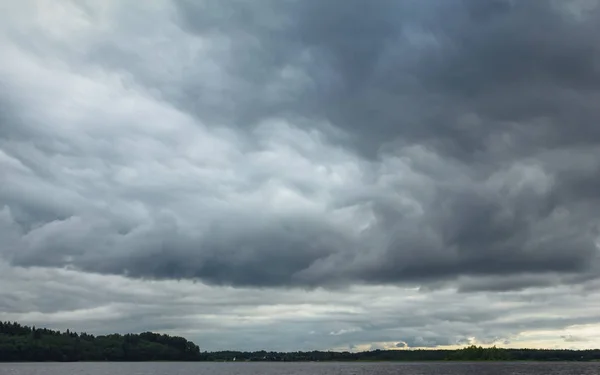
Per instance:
x=303, y=174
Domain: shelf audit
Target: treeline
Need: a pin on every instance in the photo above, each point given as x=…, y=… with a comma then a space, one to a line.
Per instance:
x=23, y=343
x=471, y=353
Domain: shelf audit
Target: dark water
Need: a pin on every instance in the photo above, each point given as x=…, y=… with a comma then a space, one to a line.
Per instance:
x=430, y=368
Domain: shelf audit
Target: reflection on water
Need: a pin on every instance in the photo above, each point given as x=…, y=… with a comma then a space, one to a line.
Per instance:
x=203, y=368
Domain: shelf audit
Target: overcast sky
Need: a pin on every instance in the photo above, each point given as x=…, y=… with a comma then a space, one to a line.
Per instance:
x=293, y=175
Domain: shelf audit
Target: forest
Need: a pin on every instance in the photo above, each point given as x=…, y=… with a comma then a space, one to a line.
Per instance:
x=24, y=343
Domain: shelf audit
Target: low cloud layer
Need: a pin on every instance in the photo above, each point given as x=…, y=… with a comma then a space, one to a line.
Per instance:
x=355, y=318
x=305, y=147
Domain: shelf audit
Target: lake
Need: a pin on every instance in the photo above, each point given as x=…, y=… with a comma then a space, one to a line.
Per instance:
x=326, y=368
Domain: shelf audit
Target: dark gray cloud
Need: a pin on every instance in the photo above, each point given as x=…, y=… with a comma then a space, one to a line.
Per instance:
x=305, y=143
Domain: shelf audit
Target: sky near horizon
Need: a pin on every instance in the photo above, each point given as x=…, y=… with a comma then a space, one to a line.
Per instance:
x=303, y=174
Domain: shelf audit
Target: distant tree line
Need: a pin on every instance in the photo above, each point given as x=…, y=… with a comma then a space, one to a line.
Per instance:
x=23, y=343
x=471, y=353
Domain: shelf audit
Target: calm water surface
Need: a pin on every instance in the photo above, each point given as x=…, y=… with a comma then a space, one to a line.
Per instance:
x=430, y=368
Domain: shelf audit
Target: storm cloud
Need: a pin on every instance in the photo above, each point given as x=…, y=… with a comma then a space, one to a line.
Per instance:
x=305, y=145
